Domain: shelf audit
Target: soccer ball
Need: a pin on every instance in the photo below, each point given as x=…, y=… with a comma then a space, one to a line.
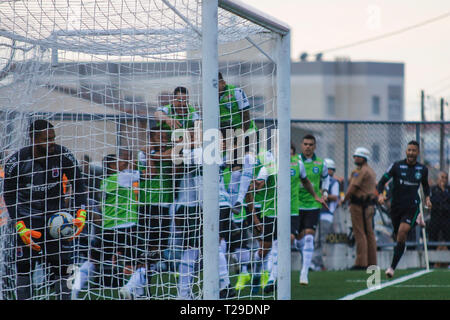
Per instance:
x=60, y=225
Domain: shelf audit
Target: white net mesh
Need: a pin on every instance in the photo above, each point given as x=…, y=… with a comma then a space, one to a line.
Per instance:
x=103, y=73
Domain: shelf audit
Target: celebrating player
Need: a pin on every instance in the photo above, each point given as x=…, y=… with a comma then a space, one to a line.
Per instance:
x=407, y=176
x=234, y=107
x=179, y=114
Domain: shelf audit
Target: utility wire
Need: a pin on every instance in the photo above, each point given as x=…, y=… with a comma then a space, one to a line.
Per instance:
x=389, y=34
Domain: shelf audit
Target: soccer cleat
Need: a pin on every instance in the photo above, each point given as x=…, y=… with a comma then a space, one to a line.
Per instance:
x=264, y=278
x=243, y=278
x=304, y=279
x=389, y=272
x=270, y=286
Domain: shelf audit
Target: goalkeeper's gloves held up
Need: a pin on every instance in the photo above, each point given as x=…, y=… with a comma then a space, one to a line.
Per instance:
x=27, y=235
x=79, y=222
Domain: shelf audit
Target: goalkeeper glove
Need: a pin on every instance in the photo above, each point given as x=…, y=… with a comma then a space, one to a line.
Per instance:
x=79, y=222
x=27, y=234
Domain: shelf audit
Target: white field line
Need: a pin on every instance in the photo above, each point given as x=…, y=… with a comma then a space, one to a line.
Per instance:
x=384, y=285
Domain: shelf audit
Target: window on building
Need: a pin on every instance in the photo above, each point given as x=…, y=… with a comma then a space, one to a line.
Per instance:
x=395, y=103
x=375, y=105
x=375, y=152
x=330, y=150
x=331, y=108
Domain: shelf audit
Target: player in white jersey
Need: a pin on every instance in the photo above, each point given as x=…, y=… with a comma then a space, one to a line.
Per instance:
x=236, y=177
x=189, y=228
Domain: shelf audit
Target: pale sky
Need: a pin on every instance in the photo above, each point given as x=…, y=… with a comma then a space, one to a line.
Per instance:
x=324, y=24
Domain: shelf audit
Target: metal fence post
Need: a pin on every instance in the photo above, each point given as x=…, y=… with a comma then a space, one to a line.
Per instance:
x=345, y=156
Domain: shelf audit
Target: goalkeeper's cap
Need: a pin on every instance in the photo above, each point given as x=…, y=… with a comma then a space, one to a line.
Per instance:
x=362, y=152
x=330, y=163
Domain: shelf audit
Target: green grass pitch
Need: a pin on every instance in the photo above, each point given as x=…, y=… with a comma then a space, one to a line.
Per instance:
x=328, y=285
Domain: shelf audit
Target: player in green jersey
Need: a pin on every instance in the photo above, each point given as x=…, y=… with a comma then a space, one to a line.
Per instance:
x=309, y=209
x=234, y=107
x=236, y=177
x=155, y=197
x=179, y=114
x=156, y=193
x=120, y=234
x=298, y=178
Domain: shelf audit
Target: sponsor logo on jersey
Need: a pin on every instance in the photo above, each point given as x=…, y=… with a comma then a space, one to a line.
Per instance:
x=408, y=183
x=11, y=164
x=402, y=166
x=315, y=170
x=55, y=172
x=43, y=187
x=418, y=175
x=292, y=172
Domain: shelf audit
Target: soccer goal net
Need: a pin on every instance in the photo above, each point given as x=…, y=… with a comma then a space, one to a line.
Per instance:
x=122, y=86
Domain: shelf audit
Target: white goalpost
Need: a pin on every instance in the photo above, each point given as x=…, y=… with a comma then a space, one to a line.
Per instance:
x=144, y=95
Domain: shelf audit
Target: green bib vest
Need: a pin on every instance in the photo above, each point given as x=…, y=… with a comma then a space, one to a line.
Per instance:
x=230, y=114
x=120, y=205
x=295, y=185
x=185, y=119
x=158, y=188
x=266, y=197
x=314, y=171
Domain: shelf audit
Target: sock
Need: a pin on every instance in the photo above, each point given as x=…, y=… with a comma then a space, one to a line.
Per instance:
x=224, y=278
x=257, y=265
x=187, y=269
x=265, y=262
x=137, y=281
x=222, y=246
x=273, y=266
x=308, y=251
x=243, y=258
x=398, y=253
x=246, y=177
x=82, y=277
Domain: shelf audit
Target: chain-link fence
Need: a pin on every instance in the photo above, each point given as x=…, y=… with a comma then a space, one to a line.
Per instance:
x=387, y=143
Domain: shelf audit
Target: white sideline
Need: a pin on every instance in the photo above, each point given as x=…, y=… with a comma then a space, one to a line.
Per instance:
x=384, y=285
